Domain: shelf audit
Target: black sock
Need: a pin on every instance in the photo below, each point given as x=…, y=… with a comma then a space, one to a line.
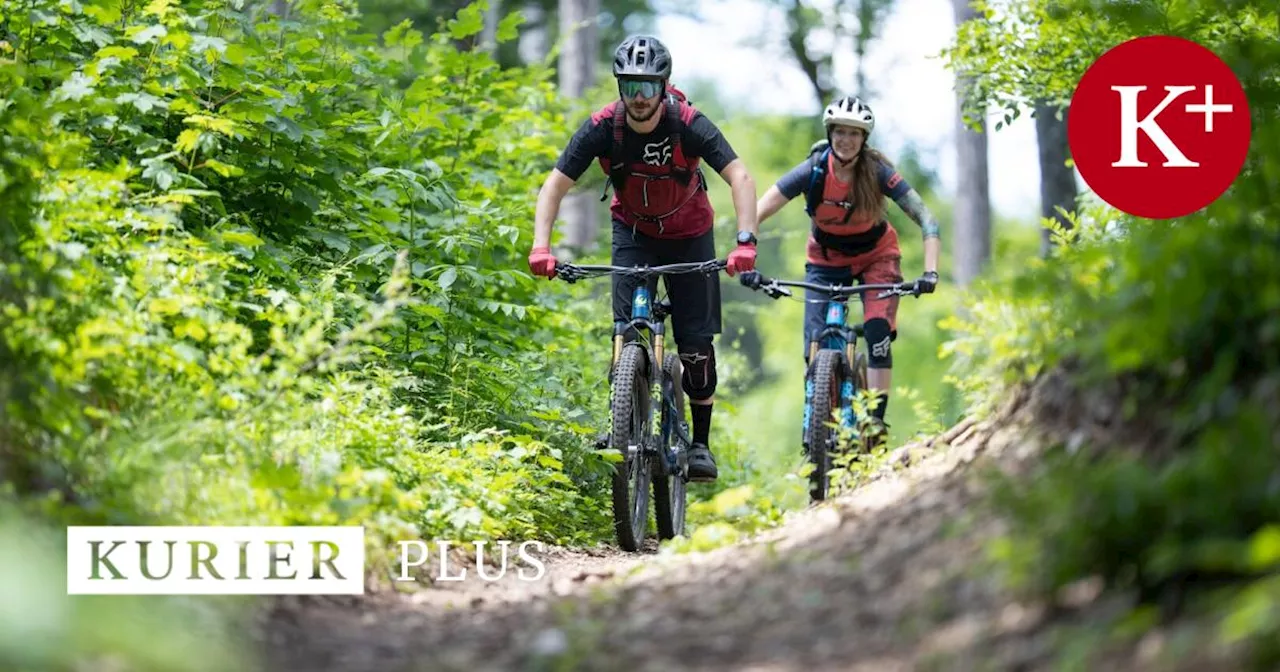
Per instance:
x=701, y=423
x=881, y=407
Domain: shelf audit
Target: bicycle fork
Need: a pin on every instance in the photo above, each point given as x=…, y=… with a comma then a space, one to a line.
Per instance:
x=846, y=403
x=808, y=412
x=846, y=408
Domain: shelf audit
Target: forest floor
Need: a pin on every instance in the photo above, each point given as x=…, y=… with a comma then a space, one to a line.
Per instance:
x=891, y=576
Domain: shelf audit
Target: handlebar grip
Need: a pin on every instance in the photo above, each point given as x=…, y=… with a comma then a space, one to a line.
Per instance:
x=751, y=279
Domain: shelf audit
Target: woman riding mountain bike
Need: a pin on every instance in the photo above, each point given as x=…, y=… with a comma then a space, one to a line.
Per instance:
x=845, y=181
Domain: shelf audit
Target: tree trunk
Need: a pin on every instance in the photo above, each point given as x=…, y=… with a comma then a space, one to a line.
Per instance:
x=533, y=45
x=577, y=71
x=489, y=36
x=1057, y=179
x=816, y=67
x=971, y=244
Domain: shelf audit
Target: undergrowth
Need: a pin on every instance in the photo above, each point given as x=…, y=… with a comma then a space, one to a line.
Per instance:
x=1179, y=321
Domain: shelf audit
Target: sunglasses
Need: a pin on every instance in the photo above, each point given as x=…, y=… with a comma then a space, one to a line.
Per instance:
x=647, y=88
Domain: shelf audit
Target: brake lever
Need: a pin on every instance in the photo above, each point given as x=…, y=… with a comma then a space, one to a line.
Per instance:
x=774, y=291
x=569, y=273
x=897, y=291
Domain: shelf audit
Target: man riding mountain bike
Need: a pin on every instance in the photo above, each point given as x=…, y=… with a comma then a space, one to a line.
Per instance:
x=650, y=143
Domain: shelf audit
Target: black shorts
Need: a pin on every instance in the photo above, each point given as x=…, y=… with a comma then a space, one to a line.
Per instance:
x=695, y=297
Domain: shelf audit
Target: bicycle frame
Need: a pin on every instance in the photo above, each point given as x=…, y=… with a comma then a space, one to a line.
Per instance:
x=653, y=317
x=647, y=315
x=838, y=336
x=835, y=335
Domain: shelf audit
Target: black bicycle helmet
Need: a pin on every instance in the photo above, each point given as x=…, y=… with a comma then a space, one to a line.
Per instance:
x=642, y=56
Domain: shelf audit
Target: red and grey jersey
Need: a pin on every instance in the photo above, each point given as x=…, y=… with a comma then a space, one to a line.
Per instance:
x=836, y=222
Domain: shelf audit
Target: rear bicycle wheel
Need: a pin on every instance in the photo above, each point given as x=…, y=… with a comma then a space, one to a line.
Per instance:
x=859, y=369
x=828, y=374
x=670, y=490
x=631, y=413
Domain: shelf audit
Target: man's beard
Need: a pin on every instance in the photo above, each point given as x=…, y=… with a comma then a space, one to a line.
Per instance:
x=653, y=109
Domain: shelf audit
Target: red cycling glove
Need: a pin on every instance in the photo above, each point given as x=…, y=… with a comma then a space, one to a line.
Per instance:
x=542, y=262
x=741, y=259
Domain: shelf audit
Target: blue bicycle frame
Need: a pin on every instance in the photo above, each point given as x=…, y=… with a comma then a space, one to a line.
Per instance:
x=835, y=335
x=645, y=315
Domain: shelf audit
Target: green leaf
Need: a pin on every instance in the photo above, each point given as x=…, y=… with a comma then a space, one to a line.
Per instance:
x=76, y=87
x=188, y=353
x=1264, y=548
x=144, y=102
x=336, y=241
x=508, y=27
x=307, y=46
x=124, y=54
x=204, y=43
x=160, y=171
x=402, y=35
x=470, y=21
x=188, y=140
x=447, y=278
x=288, y=127
x=147, y=35
x=90, y=34
x=223, y=169
x=164, y=306
x=236, y=54
x=160, y=8
x=245, y=238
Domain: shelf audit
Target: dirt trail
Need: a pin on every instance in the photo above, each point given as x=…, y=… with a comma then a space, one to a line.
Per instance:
x=890, y=577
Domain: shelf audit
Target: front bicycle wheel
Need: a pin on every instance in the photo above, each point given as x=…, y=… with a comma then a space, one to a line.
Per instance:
x=631, y=412
x=828, y=375
x=670, y=490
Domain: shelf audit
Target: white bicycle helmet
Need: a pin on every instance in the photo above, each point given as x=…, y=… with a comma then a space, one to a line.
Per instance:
x=849, y=111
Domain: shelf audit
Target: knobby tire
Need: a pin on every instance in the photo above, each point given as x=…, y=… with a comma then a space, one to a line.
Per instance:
x=670, y=490
x=631, y=412
x=827, y=376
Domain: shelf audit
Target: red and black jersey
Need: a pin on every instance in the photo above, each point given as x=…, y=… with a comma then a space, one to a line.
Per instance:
x=659, y=188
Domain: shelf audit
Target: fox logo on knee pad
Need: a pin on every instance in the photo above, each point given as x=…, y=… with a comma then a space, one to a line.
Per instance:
x=880, y=338
x=881, y=349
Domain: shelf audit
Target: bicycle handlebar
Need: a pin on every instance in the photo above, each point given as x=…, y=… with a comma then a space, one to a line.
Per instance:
x=574, y=272
x=774, y=287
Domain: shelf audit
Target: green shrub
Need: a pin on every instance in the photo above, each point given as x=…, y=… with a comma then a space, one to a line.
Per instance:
x=1171, y=328
x=214, y=201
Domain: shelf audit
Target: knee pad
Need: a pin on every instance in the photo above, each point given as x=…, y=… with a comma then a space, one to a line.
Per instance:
x=699, y=362
x=879, y=337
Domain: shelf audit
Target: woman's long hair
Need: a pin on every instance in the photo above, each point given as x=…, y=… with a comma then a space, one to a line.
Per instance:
x=864, y=188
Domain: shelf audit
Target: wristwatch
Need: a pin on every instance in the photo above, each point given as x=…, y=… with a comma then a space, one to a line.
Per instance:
x=746, y=238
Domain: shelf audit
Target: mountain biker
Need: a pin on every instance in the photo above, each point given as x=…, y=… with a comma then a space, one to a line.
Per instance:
x=660, y=211
x=844, y=181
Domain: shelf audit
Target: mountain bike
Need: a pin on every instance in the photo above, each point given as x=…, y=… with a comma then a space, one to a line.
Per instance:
x=837, y=370
x=649, y=459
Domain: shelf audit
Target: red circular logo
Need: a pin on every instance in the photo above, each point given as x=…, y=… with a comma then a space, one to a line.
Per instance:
x=1159, y=127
